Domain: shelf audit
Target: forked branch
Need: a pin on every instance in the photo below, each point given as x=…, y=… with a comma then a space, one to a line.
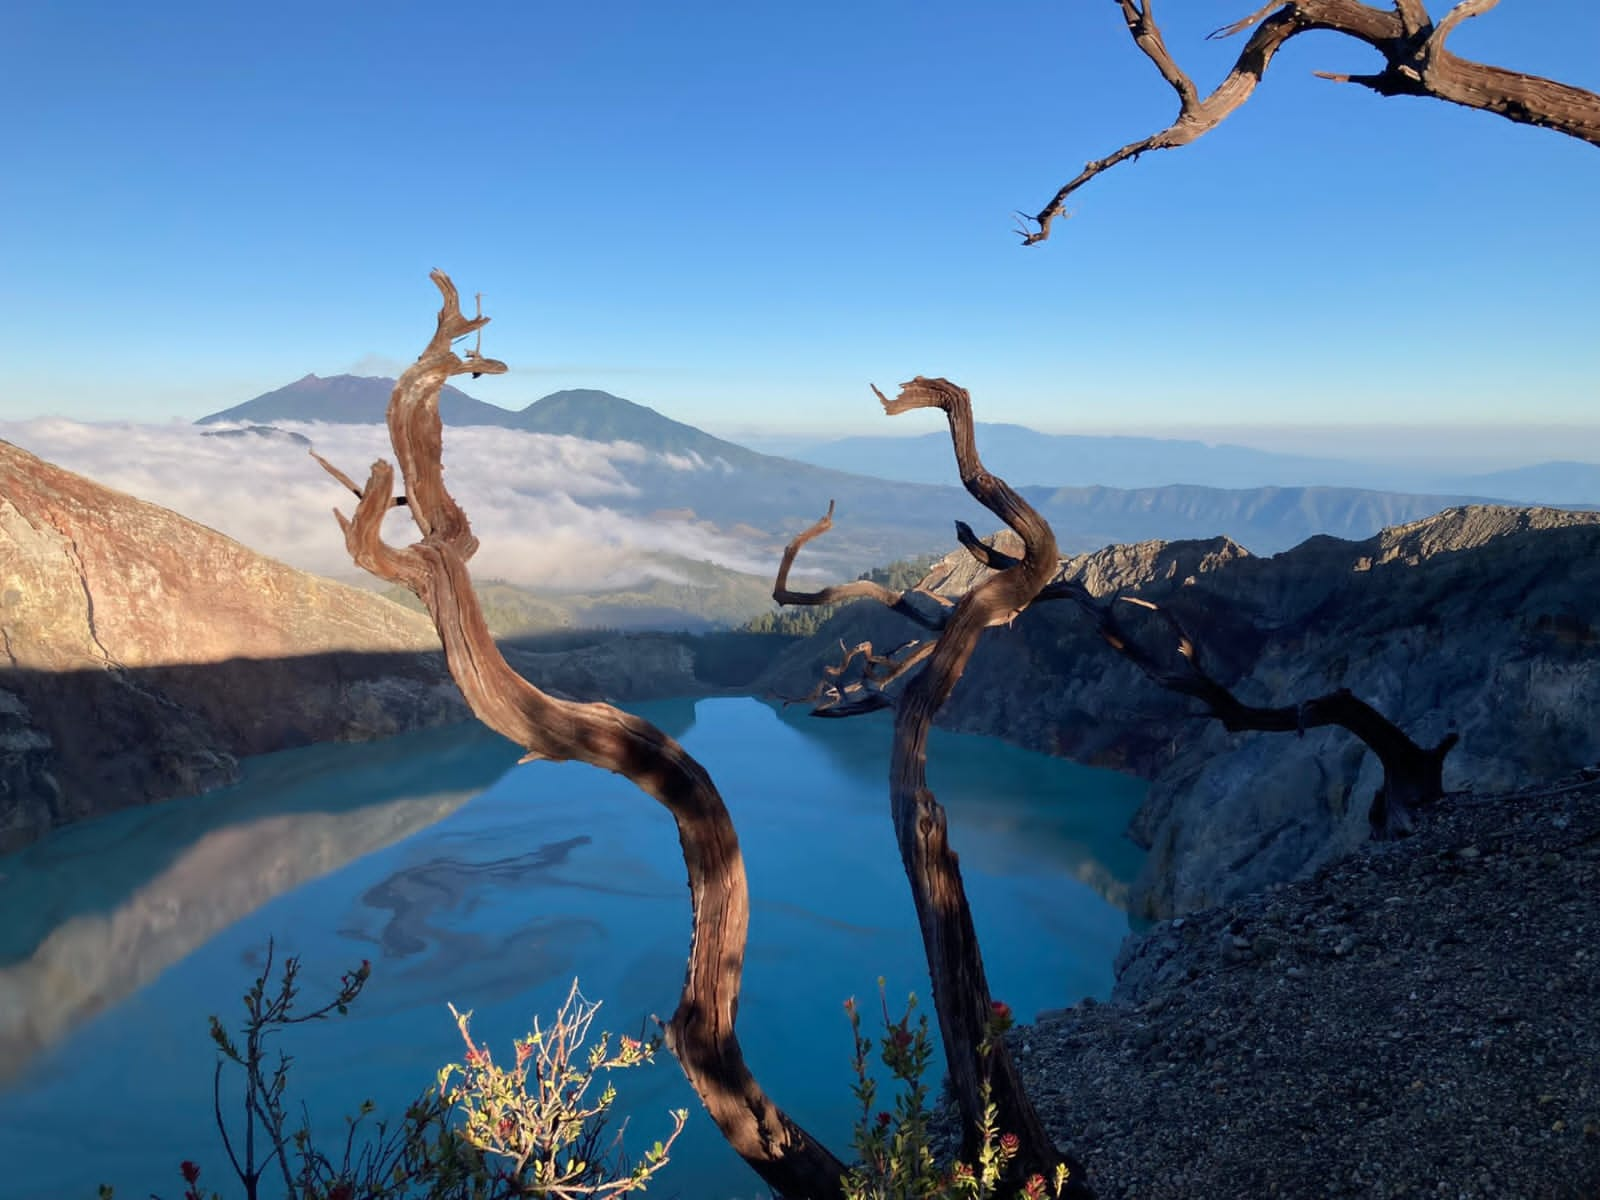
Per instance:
x=960, y=986
x=701, y=1032
x=1412, y=774
x=930, y=614
x=1416, y=63
x=858, y=683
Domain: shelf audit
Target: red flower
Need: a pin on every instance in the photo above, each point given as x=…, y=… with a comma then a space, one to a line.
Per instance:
x=341, y=1191
x=191, y=1172
x=1009, y=1144
x=883, y=1120
x=1034, y=1188
x=1001, y=1010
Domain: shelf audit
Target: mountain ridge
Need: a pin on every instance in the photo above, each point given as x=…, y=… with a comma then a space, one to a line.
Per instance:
x=588, y=413
x=1025, y=457
x=879, y=520
x=1028, y=458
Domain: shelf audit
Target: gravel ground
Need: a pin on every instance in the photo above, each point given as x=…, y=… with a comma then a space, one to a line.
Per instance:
x=1420, y=1019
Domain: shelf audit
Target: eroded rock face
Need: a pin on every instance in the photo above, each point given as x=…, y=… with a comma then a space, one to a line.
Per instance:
x=1482, y=619
x=141, y=653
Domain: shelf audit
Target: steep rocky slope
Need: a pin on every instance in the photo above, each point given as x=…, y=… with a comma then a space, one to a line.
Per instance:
x=1421, y=1018
x=141, y=654
x=1482, y=619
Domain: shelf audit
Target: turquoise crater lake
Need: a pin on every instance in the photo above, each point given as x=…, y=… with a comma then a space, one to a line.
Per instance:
x=466, y=879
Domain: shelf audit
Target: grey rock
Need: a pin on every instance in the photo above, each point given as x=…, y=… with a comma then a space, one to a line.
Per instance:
x=1480, y=618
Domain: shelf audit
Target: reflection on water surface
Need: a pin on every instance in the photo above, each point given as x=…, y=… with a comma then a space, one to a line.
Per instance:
x=128, y=932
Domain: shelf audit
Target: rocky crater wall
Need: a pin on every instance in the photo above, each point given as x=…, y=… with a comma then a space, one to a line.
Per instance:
x=142, y=654
x=1481, y=619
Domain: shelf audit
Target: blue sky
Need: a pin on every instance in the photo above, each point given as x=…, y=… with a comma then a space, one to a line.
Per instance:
x=742, y=213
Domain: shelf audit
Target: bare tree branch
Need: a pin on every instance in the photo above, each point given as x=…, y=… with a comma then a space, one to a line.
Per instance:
x=1412, y=774
x=855, y=590
x=1147, y=36
x=349, y=483
x=1416, y=64
x=839, y=693
x=1461, y=12
x=1413, y=15
x=701, y=1031
x=955, y=964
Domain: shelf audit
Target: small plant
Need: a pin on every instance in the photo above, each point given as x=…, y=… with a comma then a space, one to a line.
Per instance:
x=897, y=1159
x=547, y=1128
x=508, y=1142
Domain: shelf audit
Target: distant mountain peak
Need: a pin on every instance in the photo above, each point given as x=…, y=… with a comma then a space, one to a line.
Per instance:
x=586, y=396
x=587, y=413
x=602, y=417
x=350, y=400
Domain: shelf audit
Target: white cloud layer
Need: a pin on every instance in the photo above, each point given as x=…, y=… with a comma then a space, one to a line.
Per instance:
x=538, y=502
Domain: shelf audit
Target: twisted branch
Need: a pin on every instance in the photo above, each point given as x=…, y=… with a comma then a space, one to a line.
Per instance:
x=701, y=1031
x=837, y=694
x=858, y=589
x=1417, y=63
x=960, y=986
x=1412, y=774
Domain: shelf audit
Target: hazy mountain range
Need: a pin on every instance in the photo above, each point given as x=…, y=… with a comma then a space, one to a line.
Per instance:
x=1026, y=456
x=687, y=475
x=578, y=412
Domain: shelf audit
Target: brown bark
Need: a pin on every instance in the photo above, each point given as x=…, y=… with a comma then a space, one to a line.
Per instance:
x=1416, y=63
x=928, y=617
x=836, y=694
x=960, y=986
x=1412, y=774
x=701, y=1031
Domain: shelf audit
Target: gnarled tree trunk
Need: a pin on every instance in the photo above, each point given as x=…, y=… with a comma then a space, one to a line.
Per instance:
x=961, y=993
x=701, y=1031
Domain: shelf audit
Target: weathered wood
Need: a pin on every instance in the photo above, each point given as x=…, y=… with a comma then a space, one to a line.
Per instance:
x=955, y=963
x=961, y=995
x=1416, y=63
x=1413, y=775
x=701, y=1031
x=858, y=589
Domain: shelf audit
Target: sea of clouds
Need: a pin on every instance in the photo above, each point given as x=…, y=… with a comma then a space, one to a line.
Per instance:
x=542, y=505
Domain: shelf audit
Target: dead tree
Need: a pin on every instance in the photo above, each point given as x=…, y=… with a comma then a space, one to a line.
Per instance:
x=1416, y=63
x=860, y=683
x=1412, y=774
x=960, y=987
x=701, y=1031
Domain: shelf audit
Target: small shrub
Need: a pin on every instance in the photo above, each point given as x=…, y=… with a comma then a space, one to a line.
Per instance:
x=897, y=1159
x=483, y=1133
x=550, y=1132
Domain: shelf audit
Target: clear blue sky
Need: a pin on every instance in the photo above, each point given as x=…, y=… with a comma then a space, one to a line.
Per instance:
x=741, y=213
